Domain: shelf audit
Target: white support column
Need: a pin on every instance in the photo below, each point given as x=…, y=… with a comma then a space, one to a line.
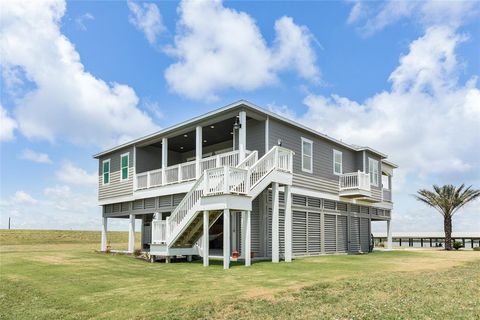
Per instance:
x=234, y=235
x=198, y=150
x=275, y=224
x=288, y=223
x=206, y=242
x=242, y=135
x=243, y=234
x=226, y=238
x=103, y=245
x=247, y=245
x=164, y=158
x=131, y=234
x=389, y=236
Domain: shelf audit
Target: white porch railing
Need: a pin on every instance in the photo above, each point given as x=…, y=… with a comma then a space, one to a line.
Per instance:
x=226, y=180
x=159, y=231
x=354, y=181
x=184, y=171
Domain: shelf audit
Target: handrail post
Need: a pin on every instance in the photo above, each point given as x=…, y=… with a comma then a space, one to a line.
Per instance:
x=225, y=180
x=275, y=158
x=247, y=183
x=148, y=180
x=217, y=162
x=205, y=181
x=180, y=173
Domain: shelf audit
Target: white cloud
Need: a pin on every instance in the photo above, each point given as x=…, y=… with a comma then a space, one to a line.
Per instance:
x=31, y=155
x=67, y=102
x=80, y=20
x=21, y=197
x=373, y=17
x=8, y=125
x=220, y=48
x=146, y=18
x=71, y=174
x=421, y=120
x=428, y=123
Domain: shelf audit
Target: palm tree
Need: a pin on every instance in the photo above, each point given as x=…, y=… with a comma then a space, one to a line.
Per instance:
x=447, y=200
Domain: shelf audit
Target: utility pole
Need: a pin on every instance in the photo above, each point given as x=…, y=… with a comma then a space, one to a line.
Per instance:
x=8, y=223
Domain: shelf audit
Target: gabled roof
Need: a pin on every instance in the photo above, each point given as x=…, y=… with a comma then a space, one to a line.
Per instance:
x=239, y=104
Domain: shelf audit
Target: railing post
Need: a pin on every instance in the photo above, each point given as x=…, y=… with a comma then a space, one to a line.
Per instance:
x=217, y=162
x=148, y=180
x=275, y=158
x=205, y=181
x=180, y=173
x=225, y=180
x=247, y=182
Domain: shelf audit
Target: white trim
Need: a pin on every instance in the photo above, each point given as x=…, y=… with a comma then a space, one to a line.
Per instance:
x=373, y=163
x=311, y=156
x=103, y=173
x=128, y=167
x=336, y=152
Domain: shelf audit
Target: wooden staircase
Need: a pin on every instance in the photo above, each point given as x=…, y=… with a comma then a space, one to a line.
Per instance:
x=182, y=230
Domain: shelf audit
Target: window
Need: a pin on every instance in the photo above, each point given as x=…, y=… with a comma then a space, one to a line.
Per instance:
x=373, y=170
x=337, y=162
x=307, y=155
x=106, y=171
x=124, y=166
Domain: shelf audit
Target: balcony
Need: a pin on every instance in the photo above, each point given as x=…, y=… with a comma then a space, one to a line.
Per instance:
x=184, y=172
x=355, y=185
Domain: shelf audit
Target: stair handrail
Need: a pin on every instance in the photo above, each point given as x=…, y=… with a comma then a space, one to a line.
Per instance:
x=197, y=191
x=249, y=160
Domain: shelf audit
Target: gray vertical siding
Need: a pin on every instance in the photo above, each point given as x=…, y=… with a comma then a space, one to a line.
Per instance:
x=256, y=136
x=115, y=188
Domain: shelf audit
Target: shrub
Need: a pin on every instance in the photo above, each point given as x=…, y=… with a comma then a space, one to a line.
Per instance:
x=476, y=249
x=381, y=245
x=137, y=252
x=457, y=245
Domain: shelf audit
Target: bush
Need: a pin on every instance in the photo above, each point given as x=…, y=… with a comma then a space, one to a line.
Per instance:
x=380, y=245
x=457, y=245
x=137, y=252
x=476, y=249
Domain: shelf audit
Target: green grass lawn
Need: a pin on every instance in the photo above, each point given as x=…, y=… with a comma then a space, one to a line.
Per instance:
x=58, y=274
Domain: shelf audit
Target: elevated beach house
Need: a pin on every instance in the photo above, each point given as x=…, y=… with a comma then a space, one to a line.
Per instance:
x=246, y=183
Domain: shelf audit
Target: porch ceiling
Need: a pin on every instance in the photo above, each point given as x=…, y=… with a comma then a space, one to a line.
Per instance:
x=211, y=134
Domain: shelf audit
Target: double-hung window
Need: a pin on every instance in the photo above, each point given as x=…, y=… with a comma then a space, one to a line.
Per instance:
x=307, y=155
x=106, y=171
x=124, y=166
x=337, y=162
x=373, y=171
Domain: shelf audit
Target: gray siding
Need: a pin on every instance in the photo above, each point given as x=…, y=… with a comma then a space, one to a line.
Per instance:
x=144, y=206
x=115, y=188
x=322, y=178
x=256, y=136
x=148, y=158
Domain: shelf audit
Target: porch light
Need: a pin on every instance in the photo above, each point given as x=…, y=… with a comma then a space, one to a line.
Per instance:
x=185, y=135
x=237, y=125
x=204, y=141
x=212, y=127
x=181, y=148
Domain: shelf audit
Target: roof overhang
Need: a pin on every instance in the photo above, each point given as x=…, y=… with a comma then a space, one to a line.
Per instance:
x=225, y=112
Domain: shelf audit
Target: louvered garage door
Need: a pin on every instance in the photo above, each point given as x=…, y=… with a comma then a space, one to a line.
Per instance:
x=342, y=234
x=354, y=234
x=314, y=233
x=255, y=221
x=299, y=233
x=364, y=234
x=330, y=239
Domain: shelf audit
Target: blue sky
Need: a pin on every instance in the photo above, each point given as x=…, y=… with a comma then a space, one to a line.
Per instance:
x=78, y=77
